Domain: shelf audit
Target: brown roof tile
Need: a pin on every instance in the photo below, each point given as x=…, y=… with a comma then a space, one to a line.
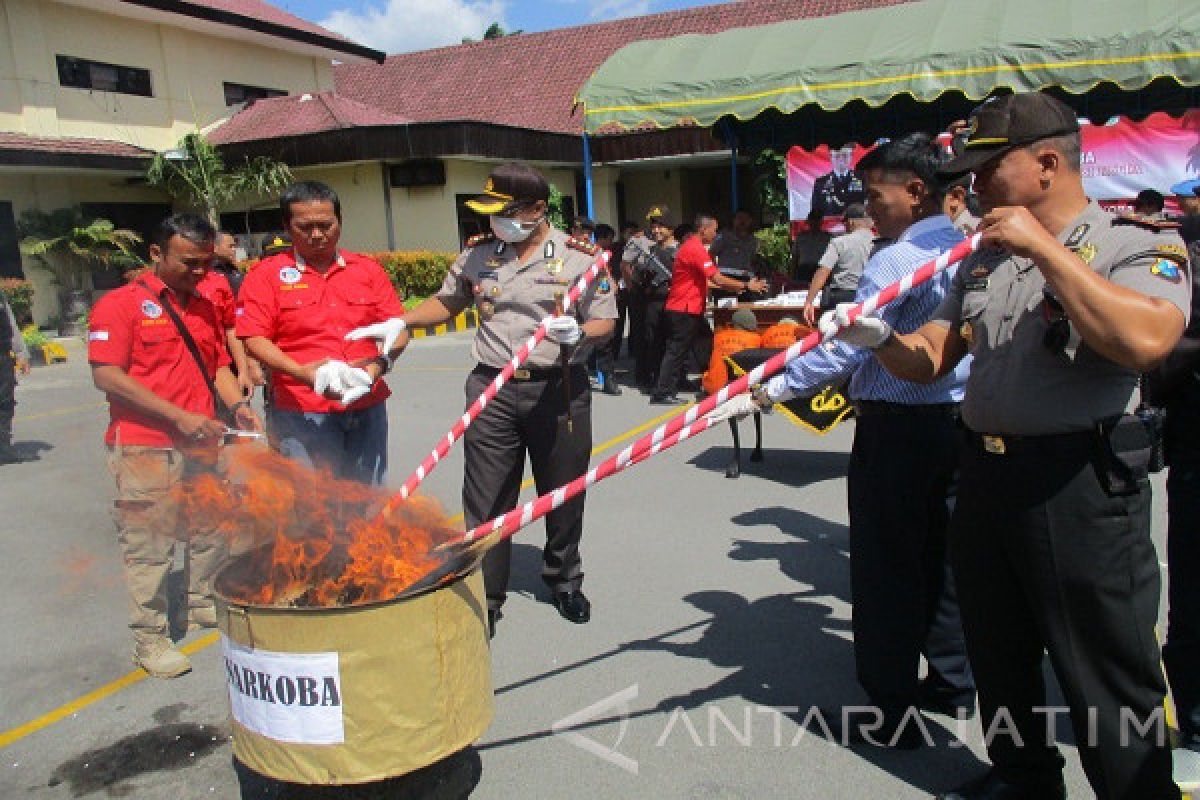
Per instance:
x=298, y=115
x=69, y=145
x=257, y=9
x=530, y=80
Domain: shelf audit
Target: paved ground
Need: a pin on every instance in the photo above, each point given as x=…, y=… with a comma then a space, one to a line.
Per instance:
x=721, y=619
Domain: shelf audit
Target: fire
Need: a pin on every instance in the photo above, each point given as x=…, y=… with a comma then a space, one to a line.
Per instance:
x=303, y=538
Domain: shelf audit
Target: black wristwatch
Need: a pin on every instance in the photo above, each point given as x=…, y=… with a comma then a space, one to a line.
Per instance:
x=385, y=363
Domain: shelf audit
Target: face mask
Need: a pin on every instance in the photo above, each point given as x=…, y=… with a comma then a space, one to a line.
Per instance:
x=513, y=230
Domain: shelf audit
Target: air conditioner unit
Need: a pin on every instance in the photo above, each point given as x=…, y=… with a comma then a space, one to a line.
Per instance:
x=422, y=172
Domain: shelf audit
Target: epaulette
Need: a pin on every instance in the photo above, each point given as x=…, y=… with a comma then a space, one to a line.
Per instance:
x=582, y=245
x=1147, y=222
x=480, y=238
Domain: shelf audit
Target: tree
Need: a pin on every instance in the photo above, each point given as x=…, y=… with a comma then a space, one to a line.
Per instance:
x=196, y=173
x=770, y=184
x=493, y=31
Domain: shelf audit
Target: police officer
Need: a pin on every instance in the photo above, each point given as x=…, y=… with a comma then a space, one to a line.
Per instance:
x=1050, y=540
x=14, y=358
x=839, y=187
x=513, y=276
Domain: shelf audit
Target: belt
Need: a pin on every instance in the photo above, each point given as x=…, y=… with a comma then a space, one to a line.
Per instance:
x=1016, y=445
x=523, y=374
x=879, y=408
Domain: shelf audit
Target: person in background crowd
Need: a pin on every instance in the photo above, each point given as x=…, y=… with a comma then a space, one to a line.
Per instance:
x=842, y=264
x=1175, y=387
x=218, y=287
x=602, y=361
x=512, y=277
x=741, y=335
x=313, y=315
x=683, y=231
x=960, y=205
x=735, y=251
x=694, y=272
x=1149, y=203
x=782, y=334
x=162, y=397
x=634, y=258
x=583, y=228
x=902, y=591
x=1186, y=195
x=808, y=247
x=274, y=243
x=225, y=260
x=1062, y=308
x=653, y=276
x=14, y=358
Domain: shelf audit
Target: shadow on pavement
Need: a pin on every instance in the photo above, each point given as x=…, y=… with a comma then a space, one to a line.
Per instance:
x=795, y=468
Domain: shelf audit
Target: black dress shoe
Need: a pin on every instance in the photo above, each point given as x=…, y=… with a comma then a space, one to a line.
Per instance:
x=665, y=400
x=494, y=616
x=573, y=606
x=610, y=385
x=992, y=787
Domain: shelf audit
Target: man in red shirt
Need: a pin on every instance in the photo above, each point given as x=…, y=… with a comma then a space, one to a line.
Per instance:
x=694, y=273
x=163, y=426
x=311, y=315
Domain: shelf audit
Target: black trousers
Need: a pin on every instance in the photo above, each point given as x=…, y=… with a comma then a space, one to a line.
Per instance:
x=636, y=309
x=901, y=486
x=1048, y=559
x=618, y=337
x=1181, y=652
x=654, y=340
x=528, y=417
x=686, y=334
x=8, y=402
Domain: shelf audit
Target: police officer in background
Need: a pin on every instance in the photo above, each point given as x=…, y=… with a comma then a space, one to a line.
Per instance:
x=513, y=276
x=1062, y=308
x=14, y=358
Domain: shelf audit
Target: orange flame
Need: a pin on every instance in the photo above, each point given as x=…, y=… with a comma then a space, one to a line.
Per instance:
x=303, y=538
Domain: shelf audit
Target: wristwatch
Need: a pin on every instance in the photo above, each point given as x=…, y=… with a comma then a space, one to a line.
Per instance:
x=385, y=363
x=762, y=397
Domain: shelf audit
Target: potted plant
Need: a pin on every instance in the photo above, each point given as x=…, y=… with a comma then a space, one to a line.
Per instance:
x=70, y=247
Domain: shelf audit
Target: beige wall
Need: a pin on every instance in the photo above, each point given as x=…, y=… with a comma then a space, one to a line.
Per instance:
x=360, y=188
x=187, y=69
x=604, y=196
x=647, y=187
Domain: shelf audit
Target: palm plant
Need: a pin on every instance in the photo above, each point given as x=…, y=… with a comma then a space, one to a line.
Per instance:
x=196, y=173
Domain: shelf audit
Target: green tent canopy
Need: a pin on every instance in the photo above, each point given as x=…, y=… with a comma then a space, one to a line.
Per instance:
x=900, y=55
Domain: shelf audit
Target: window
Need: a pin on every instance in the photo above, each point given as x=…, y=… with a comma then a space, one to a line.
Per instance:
x=79, y=73
x=236, y=93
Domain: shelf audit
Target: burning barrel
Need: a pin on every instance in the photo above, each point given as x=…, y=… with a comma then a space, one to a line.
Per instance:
x=354, y=691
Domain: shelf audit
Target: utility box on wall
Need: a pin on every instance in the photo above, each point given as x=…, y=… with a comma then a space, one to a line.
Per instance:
x=420, y=172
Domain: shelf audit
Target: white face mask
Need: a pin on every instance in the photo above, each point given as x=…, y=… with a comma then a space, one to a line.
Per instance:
x=513, y=230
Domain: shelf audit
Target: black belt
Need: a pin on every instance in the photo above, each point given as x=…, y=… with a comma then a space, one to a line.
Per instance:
x=524, y=374
x=879, y=408
x=1015, y=445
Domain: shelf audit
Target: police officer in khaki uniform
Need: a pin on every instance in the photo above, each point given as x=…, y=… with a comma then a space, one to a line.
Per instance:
x=513, y=277
x=1062, y=309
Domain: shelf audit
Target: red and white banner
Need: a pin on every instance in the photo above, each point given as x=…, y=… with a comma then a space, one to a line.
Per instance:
x=1118, y=161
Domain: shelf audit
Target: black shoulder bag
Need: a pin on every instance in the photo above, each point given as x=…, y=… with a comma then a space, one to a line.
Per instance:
x=222, y=411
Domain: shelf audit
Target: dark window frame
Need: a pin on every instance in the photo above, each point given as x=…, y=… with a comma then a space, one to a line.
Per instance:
x=248, y=92
x=83, y=73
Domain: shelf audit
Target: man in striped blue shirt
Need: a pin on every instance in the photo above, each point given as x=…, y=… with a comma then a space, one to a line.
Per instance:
x=903, y=463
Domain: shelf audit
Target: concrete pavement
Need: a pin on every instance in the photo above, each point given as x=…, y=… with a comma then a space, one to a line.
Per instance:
x=721, y=622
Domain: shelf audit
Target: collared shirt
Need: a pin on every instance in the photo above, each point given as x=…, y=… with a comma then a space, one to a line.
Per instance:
x=689, y=279
x=307, y=315
x=513, y=297
x=130, y=329
x=922, y=242
x=734, y=254
x=845, y=258
x=216, y=289
x=998, y=303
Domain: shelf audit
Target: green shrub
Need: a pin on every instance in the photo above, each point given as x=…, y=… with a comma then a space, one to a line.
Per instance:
x=774, y=246
x=20, y=297
x=415, y=273
x=34, y=339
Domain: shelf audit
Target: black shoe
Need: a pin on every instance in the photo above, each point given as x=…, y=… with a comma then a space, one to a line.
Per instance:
x=610, y=385
x=898, y=732
x=992, y=787
x=9, y=455
x=573, y=606
x=494, y=616
x=665, y=400
x=938, y=700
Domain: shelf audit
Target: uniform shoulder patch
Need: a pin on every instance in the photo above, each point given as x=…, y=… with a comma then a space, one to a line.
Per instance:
x=1175, y=251
x=1147, y=222
x=480, y=238
x=582, y=245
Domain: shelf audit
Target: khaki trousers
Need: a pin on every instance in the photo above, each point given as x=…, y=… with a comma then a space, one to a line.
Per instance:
x=149, y=524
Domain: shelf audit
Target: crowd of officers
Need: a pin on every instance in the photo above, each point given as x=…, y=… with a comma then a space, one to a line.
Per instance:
x=1015, y=373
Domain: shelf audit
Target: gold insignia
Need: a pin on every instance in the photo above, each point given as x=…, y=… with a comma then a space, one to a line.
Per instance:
x=1172, y=250
x=495, y=291
x=554, y=266
x=479, y=239
x=493, y=262
x=488, y=186
x=583, y=246
x=967, y=332
x=979, y=272
x=1087, y=252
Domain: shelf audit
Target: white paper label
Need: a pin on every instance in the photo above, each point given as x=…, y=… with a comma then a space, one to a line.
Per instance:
x=288, y=697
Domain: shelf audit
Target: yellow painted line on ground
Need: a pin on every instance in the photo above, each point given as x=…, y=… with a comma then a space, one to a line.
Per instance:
x=96, y=695
x=61, y=412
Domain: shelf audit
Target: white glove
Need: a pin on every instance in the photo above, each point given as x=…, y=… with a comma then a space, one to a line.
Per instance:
x=357, y=385
x=867, y=332
x=387, y=332
x=329, y=377
x=563, y=330
x=737, y=407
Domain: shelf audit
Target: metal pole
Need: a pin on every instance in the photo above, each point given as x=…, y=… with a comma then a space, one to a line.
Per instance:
x=387, y=207
x=587, y=178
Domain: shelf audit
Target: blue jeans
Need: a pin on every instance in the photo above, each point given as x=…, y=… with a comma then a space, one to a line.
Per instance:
x=351, y=444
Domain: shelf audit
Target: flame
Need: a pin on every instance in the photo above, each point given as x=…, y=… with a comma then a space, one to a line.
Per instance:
x=304, y=538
